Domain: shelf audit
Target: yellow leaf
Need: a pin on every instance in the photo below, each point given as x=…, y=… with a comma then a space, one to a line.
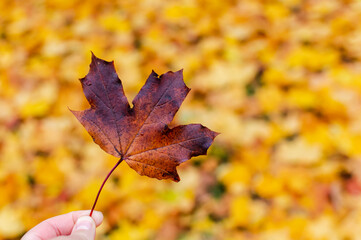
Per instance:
x=268, y=186
x=11, y=225
x=240, y=211
x=298, y=152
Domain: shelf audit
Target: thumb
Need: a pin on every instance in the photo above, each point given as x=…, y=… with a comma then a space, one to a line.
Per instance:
x=84, y=229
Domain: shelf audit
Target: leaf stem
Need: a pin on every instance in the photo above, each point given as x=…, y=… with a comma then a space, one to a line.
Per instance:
x=101, y=187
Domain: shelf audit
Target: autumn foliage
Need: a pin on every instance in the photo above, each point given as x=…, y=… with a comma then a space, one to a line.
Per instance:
x=279, y=79
x=140, y=135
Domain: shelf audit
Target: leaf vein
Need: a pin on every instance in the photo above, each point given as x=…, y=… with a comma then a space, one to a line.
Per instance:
x=100, y=98
x=154, y=149
x=131, y=160
x=112, y=107
x=102, y=131
x=142, y=125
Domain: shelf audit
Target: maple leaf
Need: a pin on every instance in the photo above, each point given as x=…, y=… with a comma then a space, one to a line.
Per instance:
x=140, y=135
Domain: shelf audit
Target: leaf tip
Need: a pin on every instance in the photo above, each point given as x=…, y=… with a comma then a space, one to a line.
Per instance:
x=215, y=134
x=172, y=176
x=73, y=111
x=97, y=60
x=154, y=73
x=94, y=58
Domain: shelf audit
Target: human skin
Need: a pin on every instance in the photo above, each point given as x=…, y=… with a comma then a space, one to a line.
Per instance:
x=75, y=225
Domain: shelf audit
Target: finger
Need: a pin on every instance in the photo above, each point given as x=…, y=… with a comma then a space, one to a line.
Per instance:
x=60, y=225
x=84, y=229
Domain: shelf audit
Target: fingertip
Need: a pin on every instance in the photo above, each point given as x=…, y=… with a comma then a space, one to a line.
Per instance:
x=97, y=217
x=84, y=223
x=84, y=228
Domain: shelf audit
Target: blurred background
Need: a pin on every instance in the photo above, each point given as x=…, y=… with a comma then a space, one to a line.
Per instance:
x=280, y=80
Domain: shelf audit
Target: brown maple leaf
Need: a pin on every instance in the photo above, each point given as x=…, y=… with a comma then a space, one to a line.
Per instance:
x=140, y=135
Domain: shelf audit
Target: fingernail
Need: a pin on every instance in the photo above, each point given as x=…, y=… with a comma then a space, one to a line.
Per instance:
x=84, y=223
x=97, y=215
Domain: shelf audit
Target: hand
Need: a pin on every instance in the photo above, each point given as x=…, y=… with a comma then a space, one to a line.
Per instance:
x=71, y=226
